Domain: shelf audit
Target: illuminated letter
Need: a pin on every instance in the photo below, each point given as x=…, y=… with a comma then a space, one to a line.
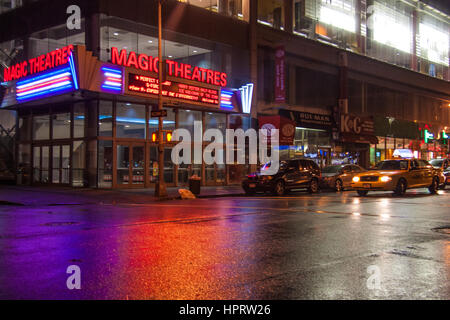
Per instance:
x=132, y=60
x=64, y=55
x=223, y=79
x=187, y=71
x=209, y=77
x=24, y=69
x=48, y=61
x=7, y=74
x=170, y=64
x=143, y=62
x=156, y=64
x=118, y=59
x=74, y=20
x=216, y=78
x=74, y=281
x=179, y=71
x=196, y=74
x=58, y=58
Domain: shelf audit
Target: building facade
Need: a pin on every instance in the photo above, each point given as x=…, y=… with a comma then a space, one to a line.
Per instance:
x=354, y=89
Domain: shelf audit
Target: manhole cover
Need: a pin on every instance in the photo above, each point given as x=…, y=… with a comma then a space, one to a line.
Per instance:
x=59, y=224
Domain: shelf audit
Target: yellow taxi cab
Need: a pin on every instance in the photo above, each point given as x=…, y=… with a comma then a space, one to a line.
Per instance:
x=397, y=175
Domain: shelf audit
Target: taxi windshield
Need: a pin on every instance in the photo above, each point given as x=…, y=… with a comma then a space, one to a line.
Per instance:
x=392, y=165
x=437, y=162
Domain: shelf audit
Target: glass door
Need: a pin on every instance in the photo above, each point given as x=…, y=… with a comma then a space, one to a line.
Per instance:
x=41, y=156
x=130, y=164
x=60, y=164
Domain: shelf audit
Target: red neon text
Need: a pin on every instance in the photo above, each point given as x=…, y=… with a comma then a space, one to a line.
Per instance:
x=35, y=65
x=174, y=68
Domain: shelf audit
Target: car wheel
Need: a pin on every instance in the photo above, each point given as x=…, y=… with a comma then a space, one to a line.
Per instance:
x=338, y=187
x=362, y=193
x=400, y=189
x=279, y=188
x=434, y=186
x=313, y=186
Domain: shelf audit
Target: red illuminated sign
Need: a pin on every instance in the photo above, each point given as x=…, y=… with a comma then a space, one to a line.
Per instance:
x=174, y=68
x=149, y=85
x=35, y=65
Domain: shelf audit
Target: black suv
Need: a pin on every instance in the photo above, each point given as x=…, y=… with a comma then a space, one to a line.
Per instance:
x=292, y=174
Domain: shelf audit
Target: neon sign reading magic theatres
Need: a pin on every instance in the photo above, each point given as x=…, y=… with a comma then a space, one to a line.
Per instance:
x=175, y=69
x=42, y=63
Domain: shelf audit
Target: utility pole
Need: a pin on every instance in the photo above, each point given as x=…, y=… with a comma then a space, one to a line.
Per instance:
x=161, y=190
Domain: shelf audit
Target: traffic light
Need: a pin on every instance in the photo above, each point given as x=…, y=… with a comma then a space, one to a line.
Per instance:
x=155, y=137
x=167, y=136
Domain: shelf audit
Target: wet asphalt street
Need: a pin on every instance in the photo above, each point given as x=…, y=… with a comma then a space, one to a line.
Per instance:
x=301, y=246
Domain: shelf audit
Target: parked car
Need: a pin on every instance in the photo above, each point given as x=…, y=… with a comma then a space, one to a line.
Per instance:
x=398, y=176
x=292, y=174
x=339, y=177
x=447, y=176
x=441, y=165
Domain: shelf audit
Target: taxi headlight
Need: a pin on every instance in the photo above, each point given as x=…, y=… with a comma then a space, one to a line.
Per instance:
x=266, y=178
x=355, y=179
x=385, y=179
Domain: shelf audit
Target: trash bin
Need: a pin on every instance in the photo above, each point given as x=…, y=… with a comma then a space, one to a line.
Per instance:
x=194, y=184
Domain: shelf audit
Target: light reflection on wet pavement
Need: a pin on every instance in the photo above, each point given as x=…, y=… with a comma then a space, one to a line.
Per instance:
x=296, y=247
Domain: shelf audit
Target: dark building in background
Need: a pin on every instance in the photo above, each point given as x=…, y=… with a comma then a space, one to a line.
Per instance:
x=358, y=78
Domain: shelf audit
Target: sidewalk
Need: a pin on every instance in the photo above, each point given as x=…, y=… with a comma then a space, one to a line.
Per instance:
x=56, y=195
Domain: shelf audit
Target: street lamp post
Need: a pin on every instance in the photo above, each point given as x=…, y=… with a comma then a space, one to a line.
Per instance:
x=161, y=186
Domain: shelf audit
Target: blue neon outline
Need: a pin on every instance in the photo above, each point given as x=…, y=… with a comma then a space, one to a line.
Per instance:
x=72, y=68
x=45, y=93
x=42, y=76
x=106, y=87
x=107, y=69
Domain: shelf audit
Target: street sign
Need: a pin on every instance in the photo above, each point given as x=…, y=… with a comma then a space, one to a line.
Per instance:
x=158, y=113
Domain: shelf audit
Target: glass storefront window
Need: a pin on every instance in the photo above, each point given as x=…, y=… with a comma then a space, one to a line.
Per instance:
x=78, y=163
x=24, y=164
x=105, y=114
x=310, y=143
x=79, y=119
x=25, y=128
x=130, y=120
x=47, y=40
x=186, y=120
x=41, y=127
x=271, y=12
x=61, y=125
x=216, y=121
x=105, y=163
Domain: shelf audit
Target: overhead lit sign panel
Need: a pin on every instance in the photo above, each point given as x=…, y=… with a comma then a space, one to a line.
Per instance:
x=175, y=69
x=112, y=79
x=42, y=63
x=49, y=83
x=246, y=97
x=146, y=85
